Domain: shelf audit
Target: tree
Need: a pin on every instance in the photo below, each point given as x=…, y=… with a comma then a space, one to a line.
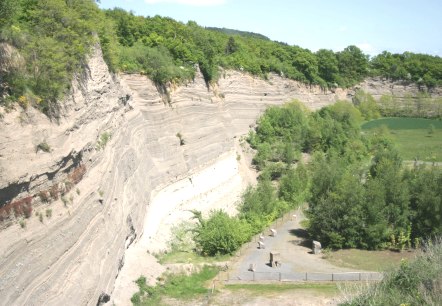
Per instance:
x=294, y=184
x=231, y=47
x=353, y=65
x=387, y=168
x=328, y=66
x=376, y=228
x=8, y=8
x=425, y=200
x=306, y=62
x=386, y=105
x=367, y=105
x=335, y=207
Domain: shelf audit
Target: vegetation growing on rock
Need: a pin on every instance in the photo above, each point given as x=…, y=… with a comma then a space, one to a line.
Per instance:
x=54, y=38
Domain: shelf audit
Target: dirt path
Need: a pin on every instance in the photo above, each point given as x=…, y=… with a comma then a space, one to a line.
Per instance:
x=299, y=297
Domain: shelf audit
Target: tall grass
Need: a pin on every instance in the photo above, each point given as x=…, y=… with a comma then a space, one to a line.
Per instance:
x=417, y=282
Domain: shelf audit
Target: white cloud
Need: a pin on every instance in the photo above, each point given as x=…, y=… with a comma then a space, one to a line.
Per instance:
x=188, y=2
x=343, y=29
x=367, y=48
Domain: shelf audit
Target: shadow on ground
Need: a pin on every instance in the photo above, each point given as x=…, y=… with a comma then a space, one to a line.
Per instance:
x=304, y=238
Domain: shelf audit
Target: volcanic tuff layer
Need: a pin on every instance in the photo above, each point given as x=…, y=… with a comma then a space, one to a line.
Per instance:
x=76, y=255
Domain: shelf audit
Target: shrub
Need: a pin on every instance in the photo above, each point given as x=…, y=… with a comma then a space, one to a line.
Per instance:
x=220, y=233
x=77, y=174
x=48, y=213
x=5, y=212
x=180, y=137
x=44, y=195
x=22, y=207
x=418, y=282
x=431, y=129
x=64, y=200
x=367, y=105
x=43, y=146
x=181, y=286
x=182, y=240
x=54, y=191
x=68, y=185
x=103, y=140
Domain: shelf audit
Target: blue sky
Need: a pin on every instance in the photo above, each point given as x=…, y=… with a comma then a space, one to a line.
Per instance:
x=374, y=26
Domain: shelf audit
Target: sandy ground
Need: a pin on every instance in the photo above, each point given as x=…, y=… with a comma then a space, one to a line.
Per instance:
x=295, y=297
x=303, y=297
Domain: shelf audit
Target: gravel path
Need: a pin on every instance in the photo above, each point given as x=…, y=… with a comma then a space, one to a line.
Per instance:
x=294, y=249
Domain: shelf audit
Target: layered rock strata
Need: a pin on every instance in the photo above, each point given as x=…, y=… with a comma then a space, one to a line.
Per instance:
x=109, y=205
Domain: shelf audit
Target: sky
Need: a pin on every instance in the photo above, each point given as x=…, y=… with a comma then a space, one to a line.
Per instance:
x=374, y=26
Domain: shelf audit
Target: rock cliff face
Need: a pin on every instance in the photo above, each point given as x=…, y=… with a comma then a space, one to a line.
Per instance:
x=406, y=99
x=112, y=200
x=378, y=87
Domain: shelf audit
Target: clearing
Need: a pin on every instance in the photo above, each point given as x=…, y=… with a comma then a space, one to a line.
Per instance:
x=368, y=260
x=415, y=138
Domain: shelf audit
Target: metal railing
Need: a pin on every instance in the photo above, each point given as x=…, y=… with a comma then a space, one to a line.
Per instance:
x=250, y=276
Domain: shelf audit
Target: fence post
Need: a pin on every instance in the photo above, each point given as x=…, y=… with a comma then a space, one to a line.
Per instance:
x=253, y=275
x=333, y=277
x=279, y=276
x=306, y=277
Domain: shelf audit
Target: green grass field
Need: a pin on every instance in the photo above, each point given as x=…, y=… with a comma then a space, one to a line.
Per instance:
x=367, y=260
x=326, y=288
x=413, y=136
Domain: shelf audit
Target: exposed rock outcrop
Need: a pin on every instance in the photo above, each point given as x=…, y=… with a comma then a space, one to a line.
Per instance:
x=378, y=87
x=10, y=58
x=50, y=262
x=160, y=158
x=403, y=98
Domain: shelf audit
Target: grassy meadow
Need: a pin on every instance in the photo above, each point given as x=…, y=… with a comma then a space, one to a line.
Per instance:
x=368, y=260
x=414, y=137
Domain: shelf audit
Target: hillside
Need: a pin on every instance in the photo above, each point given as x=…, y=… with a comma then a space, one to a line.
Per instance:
x=238, y=32
x=44, y=45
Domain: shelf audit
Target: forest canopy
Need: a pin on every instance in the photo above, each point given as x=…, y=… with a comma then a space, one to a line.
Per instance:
x=360, y=194
x=53, y=38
